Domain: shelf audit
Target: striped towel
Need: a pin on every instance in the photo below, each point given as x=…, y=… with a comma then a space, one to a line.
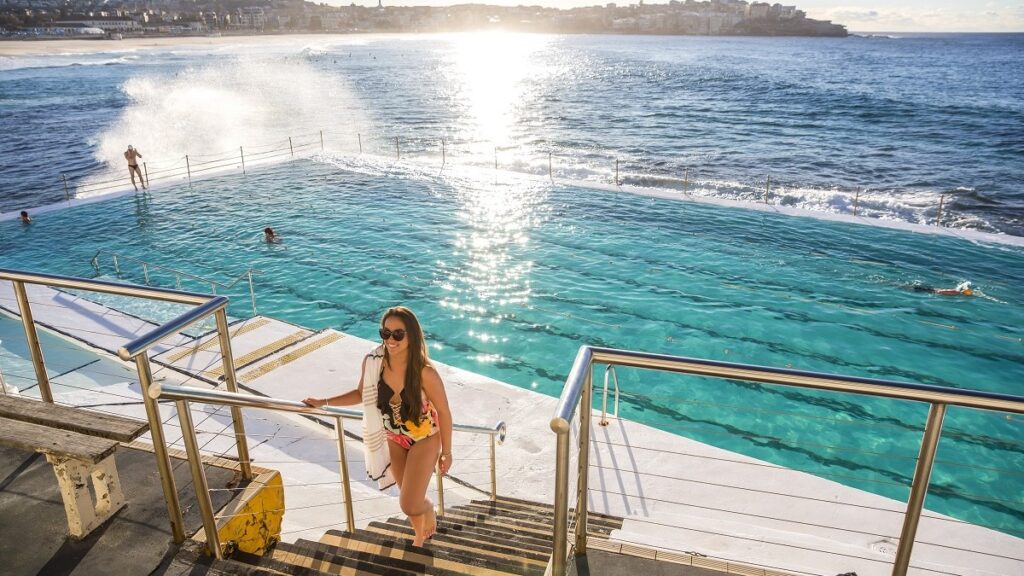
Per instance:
x=375, y=449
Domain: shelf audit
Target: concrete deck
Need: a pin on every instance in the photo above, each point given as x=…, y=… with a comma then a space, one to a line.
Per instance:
x=33, y=527
x=673, y=492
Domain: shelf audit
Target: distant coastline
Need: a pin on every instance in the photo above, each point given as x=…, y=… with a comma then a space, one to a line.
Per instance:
x=118, y=18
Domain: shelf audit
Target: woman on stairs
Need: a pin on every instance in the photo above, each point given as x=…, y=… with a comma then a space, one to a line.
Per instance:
x=404, y=402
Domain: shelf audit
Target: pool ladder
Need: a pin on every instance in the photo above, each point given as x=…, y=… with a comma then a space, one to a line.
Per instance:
x=178, y=274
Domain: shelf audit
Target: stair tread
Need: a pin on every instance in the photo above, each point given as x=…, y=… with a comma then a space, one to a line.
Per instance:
x=319, y=561
x=546, y=509
x=499, y=537
x=408, y=566
x=504, y=552
x=595, y=524
x=390, y=545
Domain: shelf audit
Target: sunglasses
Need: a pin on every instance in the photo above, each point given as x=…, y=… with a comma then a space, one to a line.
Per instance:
x=398, y=335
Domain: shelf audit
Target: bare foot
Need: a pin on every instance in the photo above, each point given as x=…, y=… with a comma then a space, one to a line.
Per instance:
x=430, y=525
x=425, y=527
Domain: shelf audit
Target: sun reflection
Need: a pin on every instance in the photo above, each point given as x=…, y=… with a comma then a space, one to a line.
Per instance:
x=488, y=280
x=489, y=72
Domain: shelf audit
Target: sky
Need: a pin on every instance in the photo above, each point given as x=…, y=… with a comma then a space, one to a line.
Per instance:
x=857, y=15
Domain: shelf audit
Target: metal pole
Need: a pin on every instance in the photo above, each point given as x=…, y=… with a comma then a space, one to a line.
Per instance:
x=64, y=177
x=440, y=492
x=360, y=136
x=146, y=170
x=444, y=158
x=117, y=269
x=346, y=487
x=938, y=217
x=145, y=272
x=213, y=287
x=290, y=146
x=686, y=179
x=586, y=410
x=321, y=140
x=242, y=154
x=919, y=487
x=856, y=201
x=604, y=399
x=228, y=361
x=252, y=293
x=767, y=187
x=494, y=471
x=495, y=157
x=188, y=167
x=398, y=152
x=560, y=532
x=163, y=461
x=551, y=174
x=25, y=308
x=616, y=171
x=195, y=463
x=178, y=281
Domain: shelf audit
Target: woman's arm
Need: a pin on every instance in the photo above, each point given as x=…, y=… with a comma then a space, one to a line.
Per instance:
x=433, y=387
x=347, y=399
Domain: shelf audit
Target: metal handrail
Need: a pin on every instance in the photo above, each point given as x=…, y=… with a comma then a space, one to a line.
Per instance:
x=604, y=399
x=178, y=274
x=578, y=389
x=205, y=305
x=183, y=396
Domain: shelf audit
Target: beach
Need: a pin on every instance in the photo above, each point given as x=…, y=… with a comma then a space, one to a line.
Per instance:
x=51, y=47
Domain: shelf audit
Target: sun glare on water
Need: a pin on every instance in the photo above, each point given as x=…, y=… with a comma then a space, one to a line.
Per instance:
x=488, y=73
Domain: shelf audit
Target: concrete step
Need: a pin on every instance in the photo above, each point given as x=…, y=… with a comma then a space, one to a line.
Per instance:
x=252, y=340
x=595, y=524
x=296, y=353
x=382, y=561
x=390, y=546
x=307, y=559
x=505, y=553
x=496, y=537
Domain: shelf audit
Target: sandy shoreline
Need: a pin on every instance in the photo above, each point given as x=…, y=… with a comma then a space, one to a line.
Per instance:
x=51, y=47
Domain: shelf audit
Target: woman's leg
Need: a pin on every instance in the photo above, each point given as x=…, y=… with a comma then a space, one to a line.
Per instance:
x=418, y=467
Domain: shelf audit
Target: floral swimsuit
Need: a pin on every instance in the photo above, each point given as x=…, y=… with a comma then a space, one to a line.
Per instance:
x=406, y=433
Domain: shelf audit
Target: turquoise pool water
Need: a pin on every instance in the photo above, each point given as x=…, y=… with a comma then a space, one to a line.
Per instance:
x=510, y=276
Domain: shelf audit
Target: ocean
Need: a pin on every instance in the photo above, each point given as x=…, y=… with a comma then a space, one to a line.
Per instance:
x=889, y=126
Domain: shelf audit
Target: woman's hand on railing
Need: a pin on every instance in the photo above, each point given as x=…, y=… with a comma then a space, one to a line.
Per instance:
x=314, y=402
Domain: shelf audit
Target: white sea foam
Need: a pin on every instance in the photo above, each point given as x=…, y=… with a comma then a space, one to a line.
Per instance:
x=209, y=112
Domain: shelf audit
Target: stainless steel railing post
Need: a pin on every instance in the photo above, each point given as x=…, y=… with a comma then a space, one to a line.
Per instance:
x=604, y=399
x=440, y=491
x=586, y=411
x=188, y=167
x=163, y=461
x=560, y=531
x=919, y=487
x=32, y=338
x=494, y=471
x=350, y=517
x=195, y=464
x=290, y=148
x=230, y=379
x=242, y=154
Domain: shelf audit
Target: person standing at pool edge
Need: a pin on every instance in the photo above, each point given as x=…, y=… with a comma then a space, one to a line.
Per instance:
x=403, y=394
x=131, y=155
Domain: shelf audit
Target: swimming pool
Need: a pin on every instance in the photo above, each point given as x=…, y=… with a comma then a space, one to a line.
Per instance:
x=511, y=275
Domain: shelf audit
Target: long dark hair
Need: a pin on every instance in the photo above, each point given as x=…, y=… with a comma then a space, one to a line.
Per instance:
x=412, y=393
